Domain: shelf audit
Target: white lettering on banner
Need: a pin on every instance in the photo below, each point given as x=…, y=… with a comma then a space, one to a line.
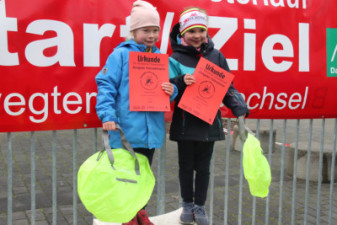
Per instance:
x=92, y=42
x=293, y=102
x=67, y=102
x=92, y=37
x=8, y=103
x=88, y=100
x=7, y=24
x=125, y=29
x=228, y=26
x=43, y=111
x=334, y=54
x=72, y=103
x=275, y=3
x=303, y=32
x=64, y=42
x=249, y=46
x=55, y=94
x=166, y=32
x=333, y=70
x=268, y=53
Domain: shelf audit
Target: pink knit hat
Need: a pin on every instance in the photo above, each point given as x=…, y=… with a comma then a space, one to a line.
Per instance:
x=143, y=14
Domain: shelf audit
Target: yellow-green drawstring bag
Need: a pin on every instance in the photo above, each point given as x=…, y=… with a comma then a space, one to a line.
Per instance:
x=114, y=184
x=256, y=167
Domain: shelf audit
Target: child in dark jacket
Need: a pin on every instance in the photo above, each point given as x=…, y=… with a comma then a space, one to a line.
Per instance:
x=195, y=138
x=144, y=130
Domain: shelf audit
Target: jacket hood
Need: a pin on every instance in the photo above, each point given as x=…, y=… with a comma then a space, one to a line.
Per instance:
x=177, y=47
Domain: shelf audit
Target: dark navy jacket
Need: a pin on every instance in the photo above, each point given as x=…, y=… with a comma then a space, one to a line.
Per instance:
x=184, y=59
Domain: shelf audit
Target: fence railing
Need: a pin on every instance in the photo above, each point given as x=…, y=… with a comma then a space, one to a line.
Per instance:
x=38, y=176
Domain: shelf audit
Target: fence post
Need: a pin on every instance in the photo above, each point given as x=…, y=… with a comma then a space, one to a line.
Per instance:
x=9, y=180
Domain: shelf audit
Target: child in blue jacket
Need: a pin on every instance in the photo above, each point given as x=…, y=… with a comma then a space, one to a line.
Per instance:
x=195, y=137
x=145, y=131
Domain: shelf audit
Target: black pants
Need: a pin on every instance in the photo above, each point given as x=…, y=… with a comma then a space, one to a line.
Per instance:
x=147, y=152
x=194, y=156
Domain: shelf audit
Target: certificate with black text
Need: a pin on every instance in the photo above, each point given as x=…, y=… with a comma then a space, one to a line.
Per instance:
x=147, y=71
x=203, y=98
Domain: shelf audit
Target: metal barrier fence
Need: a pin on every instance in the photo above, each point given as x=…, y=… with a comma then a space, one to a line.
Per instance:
x=38, y=176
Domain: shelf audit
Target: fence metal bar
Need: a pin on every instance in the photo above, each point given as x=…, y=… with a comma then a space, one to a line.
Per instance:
x=75, y=177
x=240, y=186
x=33, y=217
x=282, y=170
x=54, y=178
x=332, y=178
x=228, y=146
x=254, y=198
x=307, y=173
x=319, y=185
x=9, y=179
x=33, y=177
x=271, y=133
x=211, y=187
x=95, y=144
x=161, y=179
x=258, y=125
x=293, y=205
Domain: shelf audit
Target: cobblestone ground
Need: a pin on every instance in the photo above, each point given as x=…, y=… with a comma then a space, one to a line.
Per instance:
x=251, y=210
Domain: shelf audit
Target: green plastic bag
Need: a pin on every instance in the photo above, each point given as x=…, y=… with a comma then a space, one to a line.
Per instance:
x=114, y=185
x=256, y=167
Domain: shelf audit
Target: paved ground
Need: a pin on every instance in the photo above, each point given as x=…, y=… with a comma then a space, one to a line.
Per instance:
x=43, y=158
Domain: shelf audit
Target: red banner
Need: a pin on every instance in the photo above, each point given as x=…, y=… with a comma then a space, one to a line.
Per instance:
x=282, y=53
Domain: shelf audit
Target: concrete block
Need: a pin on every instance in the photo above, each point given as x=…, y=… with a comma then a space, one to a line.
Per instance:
x=302, y=159
x=171, y=218
x=236, y=143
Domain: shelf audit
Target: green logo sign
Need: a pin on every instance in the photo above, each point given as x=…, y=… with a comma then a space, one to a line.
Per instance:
x=331, y=51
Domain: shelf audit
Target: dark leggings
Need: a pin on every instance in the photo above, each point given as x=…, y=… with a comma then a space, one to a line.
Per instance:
x=147, y=152
x=194, y=156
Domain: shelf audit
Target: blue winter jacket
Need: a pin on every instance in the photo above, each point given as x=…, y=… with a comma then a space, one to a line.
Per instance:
x=141, y=129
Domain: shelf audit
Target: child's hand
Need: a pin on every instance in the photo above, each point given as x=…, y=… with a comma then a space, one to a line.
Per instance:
x=110, y=125
x=168, y=88
x=189, y=79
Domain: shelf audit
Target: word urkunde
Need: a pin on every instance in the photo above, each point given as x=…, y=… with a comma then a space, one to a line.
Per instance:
x=148, y=59
x=211, y=68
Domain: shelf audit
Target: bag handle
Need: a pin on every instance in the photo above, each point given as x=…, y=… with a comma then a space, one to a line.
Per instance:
x=126, y=145
x=243, y=128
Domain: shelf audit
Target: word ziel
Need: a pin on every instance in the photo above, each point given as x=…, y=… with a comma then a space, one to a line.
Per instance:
x=275, y=60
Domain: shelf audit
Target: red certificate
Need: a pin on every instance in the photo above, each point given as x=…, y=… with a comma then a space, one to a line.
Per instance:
x=147, y=71
x=203, y=98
